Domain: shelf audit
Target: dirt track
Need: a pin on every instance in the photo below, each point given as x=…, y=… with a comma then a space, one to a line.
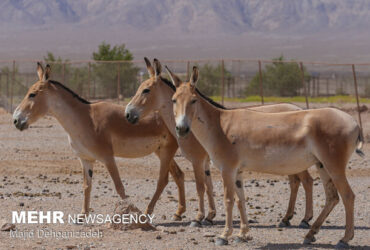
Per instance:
x=38, y=171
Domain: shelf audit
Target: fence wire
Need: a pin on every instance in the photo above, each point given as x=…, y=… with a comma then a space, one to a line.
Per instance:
x=258, y=81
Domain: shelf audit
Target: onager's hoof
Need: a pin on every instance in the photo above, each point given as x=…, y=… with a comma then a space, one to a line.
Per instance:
x=221, y=242
x=309, y=241
x=284, y=224
x=207, y=222
x=195, y=223
x=304, y=224
x=341, y=244
x=176, y=217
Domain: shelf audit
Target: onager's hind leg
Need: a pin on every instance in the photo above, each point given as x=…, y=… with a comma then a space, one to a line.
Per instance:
x=332, y=200
x=240, y=201
x=294, y=182
x=114, y=174
x=87, y=173
x=209, y=190
x=307, y=183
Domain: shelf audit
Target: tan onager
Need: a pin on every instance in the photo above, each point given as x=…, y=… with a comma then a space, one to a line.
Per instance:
x=99, y=132
x=143, y=104
x=155, y=94
x=277, y=143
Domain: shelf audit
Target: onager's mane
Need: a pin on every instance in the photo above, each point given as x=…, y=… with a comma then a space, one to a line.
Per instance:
x=70, y=91
x=217, y=105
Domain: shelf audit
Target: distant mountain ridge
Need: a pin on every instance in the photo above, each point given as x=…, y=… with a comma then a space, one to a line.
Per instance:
x=215, y=16
x=313, y=29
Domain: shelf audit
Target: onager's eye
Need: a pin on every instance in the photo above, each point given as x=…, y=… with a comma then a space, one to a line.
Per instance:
x=193, y=101
x=145, y=91
x=31, y=95
x=174, y=101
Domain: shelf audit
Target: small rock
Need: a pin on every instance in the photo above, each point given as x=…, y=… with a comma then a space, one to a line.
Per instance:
x=209, y=234
x=7, y=227
x=158, y=237
x=21, y=204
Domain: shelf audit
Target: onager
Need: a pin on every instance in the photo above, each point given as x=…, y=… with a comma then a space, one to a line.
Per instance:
x=99, y=132
x=277, y=143
x=156, y=93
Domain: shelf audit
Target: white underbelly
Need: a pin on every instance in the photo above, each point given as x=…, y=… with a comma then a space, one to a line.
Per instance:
x=279, y=160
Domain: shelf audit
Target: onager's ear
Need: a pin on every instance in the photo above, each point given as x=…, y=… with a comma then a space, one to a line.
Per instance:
x=194, y=76
x=149, y=67
x=47, y=73
x=40, y=71
x=157, y=68
x=174, y=78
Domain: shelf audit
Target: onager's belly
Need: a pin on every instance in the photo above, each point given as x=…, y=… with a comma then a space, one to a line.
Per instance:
x=135, y=147
x=283, y=160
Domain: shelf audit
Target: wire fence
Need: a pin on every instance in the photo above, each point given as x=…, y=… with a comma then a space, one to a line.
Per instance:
x=226, y=79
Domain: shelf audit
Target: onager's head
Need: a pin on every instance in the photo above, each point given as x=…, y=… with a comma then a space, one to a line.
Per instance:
x=33, y=105
x=146, y=97
x=183, y=102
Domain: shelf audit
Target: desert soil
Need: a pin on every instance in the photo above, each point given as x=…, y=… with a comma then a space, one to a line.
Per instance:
x=38, y=171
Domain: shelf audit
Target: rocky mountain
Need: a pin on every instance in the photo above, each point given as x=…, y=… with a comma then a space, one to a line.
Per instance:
x=182, y=22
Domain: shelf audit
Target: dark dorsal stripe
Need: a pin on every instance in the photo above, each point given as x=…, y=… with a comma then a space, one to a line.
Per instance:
x=70, y=91
x=169, y=84
x=216, y=104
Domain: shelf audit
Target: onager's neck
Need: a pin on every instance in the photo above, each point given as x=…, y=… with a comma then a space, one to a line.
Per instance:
x=68, y=110
x=166, y=108
x=206, y=124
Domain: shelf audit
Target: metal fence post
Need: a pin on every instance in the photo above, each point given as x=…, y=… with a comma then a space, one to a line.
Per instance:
x=7, y=85
x=118, y=82
x=63, y=73
x=89, y=81
x=261, y=82
x=327, y=87
x=11, y=88
x=222, y=81
x=356, y=92
x=318, y=86
x=188, y=70
x=304, y=85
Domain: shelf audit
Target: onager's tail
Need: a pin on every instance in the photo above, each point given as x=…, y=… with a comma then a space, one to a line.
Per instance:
x=360, y=143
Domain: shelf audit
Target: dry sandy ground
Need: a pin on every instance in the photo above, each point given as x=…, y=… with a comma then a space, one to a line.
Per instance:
x=38, y=171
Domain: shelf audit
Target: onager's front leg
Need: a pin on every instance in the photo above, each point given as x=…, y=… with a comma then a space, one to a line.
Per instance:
x=294, y=182
x=87, y=173
x=228, y=177
x=179, y=178
x=114, y=174
x=200, y=185
x=307, y=183
x=240, y=201
x=209, y=190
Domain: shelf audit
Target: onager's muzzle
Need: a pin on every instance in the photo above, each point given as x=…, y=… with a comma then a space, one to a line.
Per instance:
x=182, y=127
x=19, y=121
x=131, y=114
